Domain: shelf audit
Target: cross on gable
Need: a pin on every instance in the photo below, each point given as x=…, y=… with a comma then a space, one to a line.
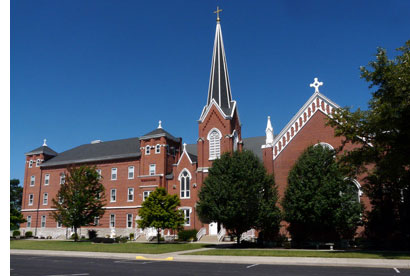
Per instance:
x=316, y=85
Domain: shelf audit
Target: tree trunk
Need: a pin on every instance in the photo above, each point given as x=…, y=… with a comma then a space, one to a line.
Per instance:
x=158, y=235
x=75, y=234
x=238, y=239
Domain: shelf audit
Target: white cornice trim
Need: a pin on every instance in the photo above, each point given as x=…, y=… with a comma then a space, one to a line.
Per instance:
x=122, y=207
x=300, y=114
x=148, y=186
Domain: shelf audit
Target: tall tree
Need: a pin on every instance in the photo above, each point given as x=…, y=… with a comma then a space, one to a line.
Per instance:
x=382, y=134
x=160, y=211
x=320, y=203
x=240, y=195
x=80, y=199
x=16, y=194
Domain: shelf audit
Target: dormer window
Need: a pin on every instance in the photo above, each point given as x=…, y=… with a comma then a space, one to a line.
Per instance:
x=147, y=150
x=214, y=138
x=30, y=163
x=157, y=149
x=38, y=163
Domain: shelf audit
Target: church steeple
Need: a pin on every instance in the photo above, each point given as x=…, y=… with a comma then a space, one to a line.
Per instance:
x=219, y=86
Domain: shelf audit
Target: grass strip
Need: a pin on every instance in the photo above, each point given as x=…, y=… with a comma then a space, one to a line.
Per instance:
x=303, y=253
x=144, y=248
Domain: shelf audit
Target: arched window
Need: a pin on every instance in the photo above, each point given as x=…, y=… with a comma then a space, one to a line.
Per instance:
x=214, y=138
x=235, y=140
x=185, y=184
x=356, y=189
x=325, y=145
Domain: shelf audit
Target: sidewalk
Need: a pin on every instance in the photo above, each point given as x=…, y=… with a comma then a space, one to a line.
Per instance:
x=178, y=257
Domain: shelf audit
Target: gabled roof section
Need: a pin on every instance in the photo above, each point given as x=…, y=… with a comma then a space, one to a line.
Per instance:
x=254, y=145
x=192, y=156
x=110, y=150
x=316, y=103
x=44, y=150
x=159, y=132
x=219, y=90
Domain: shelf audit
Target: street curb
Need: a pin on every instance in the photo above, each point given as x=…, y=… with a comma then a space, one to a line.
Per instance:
x=305, y=261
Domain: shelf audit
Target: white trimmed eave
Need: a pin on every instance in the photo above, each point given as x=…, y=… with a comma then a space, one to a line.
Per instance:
x=300, y=114
x=207, y=108
x=182, y=155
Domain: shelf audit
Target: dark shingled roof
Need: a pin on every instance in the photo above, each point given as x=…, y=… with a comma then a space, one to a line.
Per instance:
x=254, y=144
x=44, y=150
x=192, y=152
x=117, y=149
x=159, y=132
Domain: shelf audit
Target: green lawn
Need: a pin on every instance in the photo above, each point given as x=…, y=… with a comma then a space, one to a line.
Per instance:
x=143, y=248
x=302, y=253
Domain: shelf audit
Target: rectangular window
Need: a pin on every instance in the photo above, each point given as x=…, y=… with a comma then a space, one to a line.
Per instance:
x=112, y=220
x=38, y=163
x=28, y=221
x=46, y=179
x=147, y=150
x=59, y=224
x=152, y=168
x=130, y=194
x=43, y=221
x=99, y=173
x=62, y=178
x=129, y=220
x=45, y=198
x=187, y=217
x=113, y=195
x=131, y=172
x=30, y=199
x=146, y=195
x=157, y=149
x=30, y=163
x=32, y=180
x=113, y=173
x=60, y=200
x=96, y=221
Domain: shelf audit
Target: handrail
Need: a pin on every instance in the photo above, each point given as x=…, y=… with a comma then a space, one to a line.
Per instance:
x=201, y=233
x=221, y=234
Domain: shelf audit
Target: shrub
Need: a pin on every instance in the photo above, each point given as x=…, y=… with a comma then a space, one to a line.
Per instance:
x=123, y=239
x=187, y=235
x=16, y=233
x=49, y=237
x=92, y=234
x=132, y=236
x=73, y=236
x=103, y=240
x=29, y=234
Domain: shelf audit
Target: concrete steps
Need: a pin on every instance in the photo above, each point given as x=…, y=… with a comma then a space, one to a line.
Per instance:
x=207, y=238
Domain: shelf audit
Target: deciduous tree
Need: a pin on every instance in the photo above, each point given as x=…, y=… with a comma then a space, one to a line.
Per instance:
x=16, y=194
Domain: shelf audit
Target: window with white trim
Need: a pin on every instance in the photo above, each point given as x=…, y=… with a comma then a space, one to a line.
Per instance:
x=147, y=150
x=60, y=200
x=214, y=138
x=99, y=173
x=187, y=216
x=130, y=194
x=112, y=220
x=62, y=178
x=45, y=198
x=157, y=149
x=46, y=179
x=28, y=221
x=152, y=169
x=32, y=180
x=96, y=221
x=129, y=220
x=43, y=221
x=146, y=195
x=30, y=199
x=113, y=197
x=38, y=163
x=184, y=179
x=30, y=163
x=131, y=172
x=113, y=173
x=235, y=141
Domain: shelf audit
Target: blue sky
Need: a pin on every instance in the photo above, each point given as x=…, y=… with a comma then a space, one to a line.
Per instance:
x=86, y=70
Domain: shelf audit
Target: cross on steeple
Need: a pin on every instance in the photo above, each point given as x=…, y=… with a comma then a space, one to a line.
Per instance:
x=217, y=13
x=316, y=85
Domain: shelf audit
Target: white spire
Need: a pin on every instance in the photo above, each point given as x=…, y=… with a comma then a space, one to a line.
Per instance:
x=316, y=85
x=159, y=124
x=45, y=144
x=269, y=132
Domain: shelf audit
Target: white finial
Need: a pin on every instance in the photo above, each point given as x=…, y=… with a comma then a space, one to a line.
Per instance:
x=184, y=146
x=159, y=124
x=316, y=85
x=45, y=144
x=269, y=132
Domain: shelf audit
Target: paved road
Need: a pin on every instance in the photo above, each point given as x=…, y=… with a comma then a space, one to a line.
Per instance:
x=72, y=266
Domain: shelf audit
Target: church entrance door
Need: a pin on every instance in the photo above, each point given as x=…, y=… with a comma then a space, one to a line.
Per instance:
x=213, y=228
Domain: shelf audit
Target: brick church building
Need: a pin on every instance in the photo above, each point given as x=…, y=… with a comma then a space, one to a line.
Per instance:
x=132, y=168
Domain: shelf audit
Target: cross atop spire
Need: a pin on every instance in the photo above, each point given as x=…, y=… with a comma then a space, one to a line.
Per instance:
x=217, y=14
x=316, y=85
